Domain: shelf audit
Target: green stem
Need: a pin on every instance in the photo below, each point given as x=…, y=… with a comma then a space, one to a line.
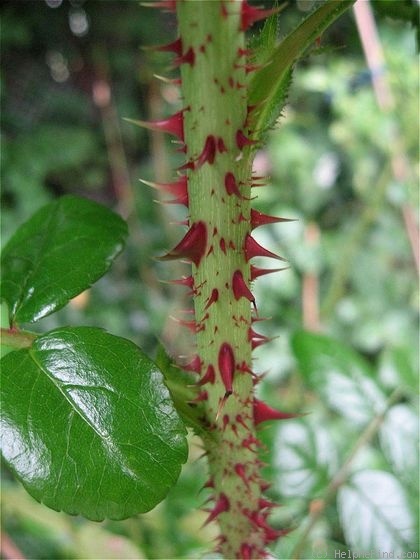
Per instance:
x=217, y=109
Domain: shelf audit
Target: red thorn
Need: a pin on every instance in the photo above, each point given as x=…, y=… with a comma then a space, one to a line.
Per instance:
x=240, y=471
x=263, y=413
x=221, y=506
x=175, y=47
x=173, y=125
x=214, y=296
x=259, y=521
x=256, y=272
x=254, y=249
x=260, y=342
x=263, y=503
x=176, y=188
x=246, y=551
x=222, y=244
x=208, y=377
x=194, y=365
x=231, y=185
x=226, y=362
x=239, y=287
x=209, y=484
x=242, y=140
x=251, y=14
x=209, y=152
x=258, y=219
x=192, y=246
x=187, y=58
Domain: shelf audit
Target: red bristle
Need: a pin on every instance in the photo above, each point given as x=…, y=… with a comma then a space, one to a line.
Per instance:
x=187, y=58
x=169, y=5
x=176, y=188
x=242, y=140
x=231, y=186
x=203, y=396
x=190, y=325
x=187, y=281
x=226, y=362
x=209, y=484
x=194, y=365
x=192, y=246
x=249, y=441
x=241, y=421
x=222, y=244
x=175, y=47
x=239, y=287
x=187, y=165
x=240, y=471
x=209, y=152
x=208, y=377
x=221, y=146
x=221, y=506
x=251, y=14
x=244, y=52
x=172, y=125
x=262, y=413
x=254, y=249
x=214, y=296
x=259, y=219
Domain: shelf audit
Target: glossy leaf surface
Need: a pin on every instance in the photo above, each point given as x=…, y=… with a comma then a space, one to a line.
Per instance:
x=88, y=425
x=341, y=377
x=59, y=252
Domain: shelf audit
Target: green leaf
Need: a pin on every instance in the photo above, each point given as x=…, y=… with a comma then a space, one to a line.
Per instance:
x=342, y=378
x=306, y=458
x=399, y=437
x=59, y=252
x=269, y=86
x=374, y=513
x=88, y=424
x=182, y=392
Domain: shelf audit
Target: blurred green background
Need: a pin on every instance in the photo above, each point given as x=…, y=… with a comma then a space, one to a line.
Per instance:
x=72, y=70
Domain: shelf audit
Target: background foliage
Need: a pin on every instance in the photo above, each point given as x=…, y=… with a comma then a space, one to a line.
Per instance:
x=71, y=71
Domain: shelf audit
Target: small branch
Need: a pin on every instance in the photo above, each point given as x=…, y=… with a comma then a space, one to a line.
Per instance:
x=17, y=339
x=310, y=285
x=342, y=474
